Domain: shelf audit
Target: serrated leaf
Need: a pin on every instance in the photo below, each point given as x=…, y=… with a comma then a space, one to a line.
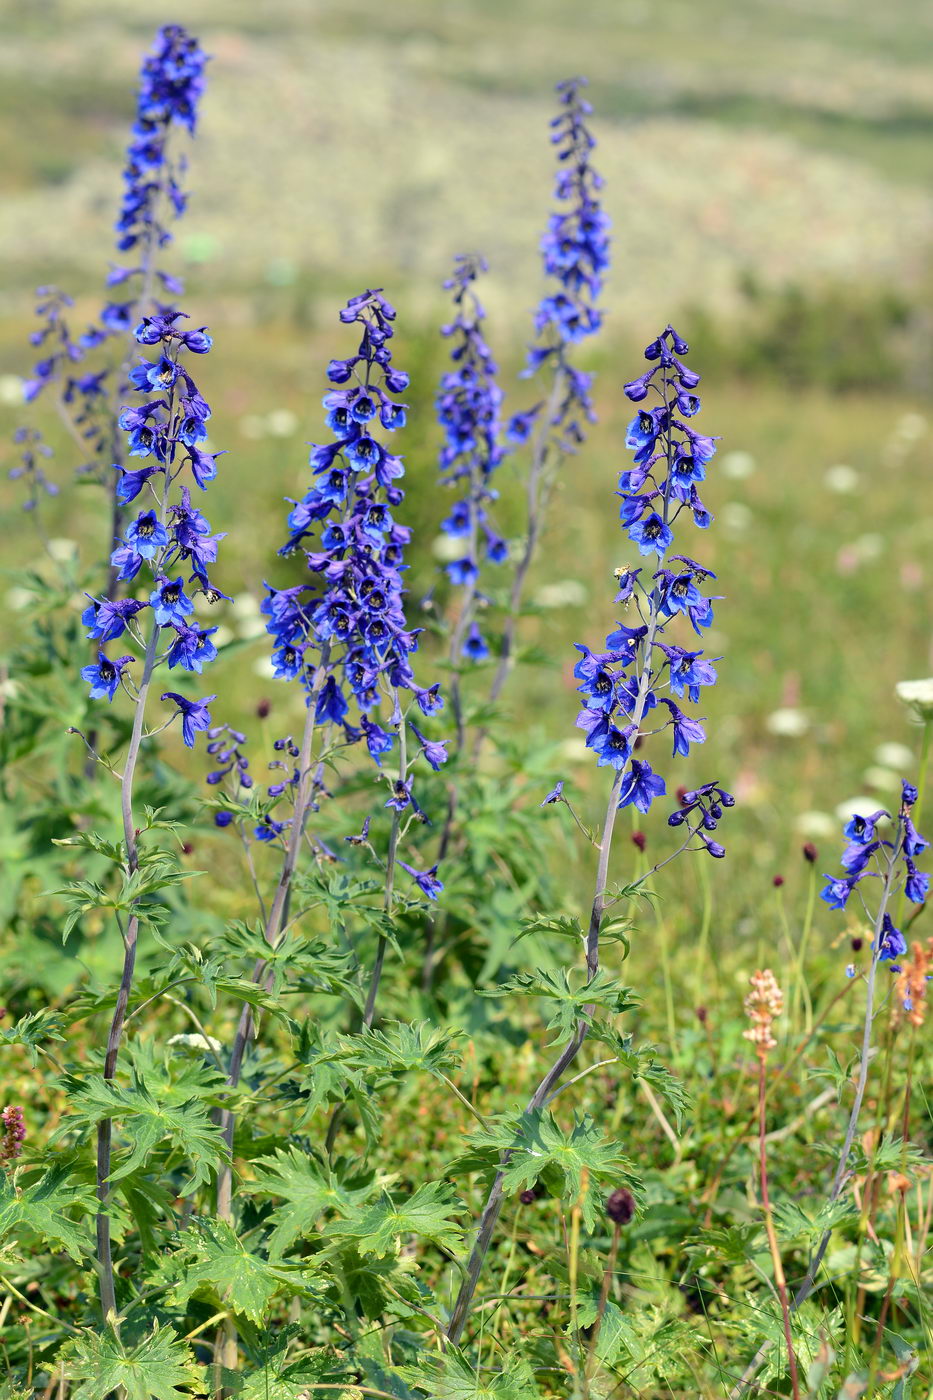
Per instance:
x=429, y=1214
x=157, y=1368
x=240, y=1279
x=454, y=1377
x=150, y=1122
x=47, y=1206
x=307, y=1188
x=534, y=1146
x=31, y=1030
x=570, y=1000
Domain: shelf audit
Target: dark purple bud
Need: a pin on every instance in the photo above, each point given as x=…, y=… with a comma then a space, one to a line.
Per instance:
x=620, y=1206
x=810, y=853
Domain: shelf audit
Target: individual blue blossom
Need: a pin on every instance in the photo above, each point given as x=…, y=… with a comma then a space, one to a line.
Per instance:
x=468, y=407
x=892, y=944
x=104, y=676
x=195, y=716
x=623, y=683
x=107, y=618
x=555, y=795
x=170, y=603
x=475, y=646
x=641, y=786
x=192, y=648
x=426, y=880
x=434, y=750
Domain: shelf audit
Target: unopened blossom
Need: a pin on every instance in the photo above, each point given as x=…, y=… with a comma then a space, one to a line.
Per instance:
x=13, y=1133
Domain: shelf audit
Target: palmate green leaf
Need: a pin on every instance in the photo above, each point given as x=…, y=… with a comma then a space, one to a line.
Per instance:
x=150, y=1121
x=538, y=1147
x=274, y=1373
x=429, y=1213
x=643, y=1065
x=32, y=1030
x=157, y=1368
x=400, y=1047
x=50, y=1206
x=454, y=1377
x=570, y=1000
x=238, y=1278
x=792, y=1222
x=308, y=1189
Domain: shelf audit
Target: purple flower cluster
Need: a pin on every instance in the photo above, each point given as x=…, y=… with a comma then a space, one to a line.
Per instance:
x=171, y=82
x=13, y=1133
x=623, y=683
x=468, y=407
x=869, y=855
x=54, y=338
x=167, y=431
x=344, y=635
x=575, y=252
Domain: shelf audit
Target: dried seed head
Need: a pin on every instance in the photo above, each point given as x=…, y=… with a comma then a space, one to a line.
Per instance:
x=620, y=1206
x=762, y=1004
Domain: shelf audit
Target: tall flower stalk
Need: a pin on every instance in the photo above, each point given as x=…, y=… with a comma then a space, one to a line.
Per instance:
x=468, y=409
x=166, y=539
x=575, y=253
x=623, y=684
x=343, y=636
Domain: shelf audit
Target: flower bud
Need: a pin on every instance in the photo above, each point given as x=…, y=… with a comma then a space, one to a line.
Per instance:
x=620, y=1206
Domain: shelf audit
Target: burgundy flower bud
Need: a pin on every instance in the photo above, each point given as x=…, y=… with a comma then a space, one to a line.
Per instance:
x=777, y=881
x=639, y=839
x=701, y=1015
x=620, y=1206
x=263, y=709
x=856, y=945
x=527, y=1196
x=810, y=853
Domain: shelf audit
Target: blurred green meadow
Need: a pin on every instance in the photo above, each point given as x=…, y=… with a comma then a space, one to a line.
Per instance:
x=768, y=174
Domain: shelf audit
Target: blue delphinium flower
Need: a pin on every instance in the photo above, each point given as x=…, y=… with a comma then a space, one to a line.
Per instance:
x=468, y=406
x=621, y=685
x=344, y=635
x=887, y=859
x=105, y=675
x=170, y=537
x=195, y=715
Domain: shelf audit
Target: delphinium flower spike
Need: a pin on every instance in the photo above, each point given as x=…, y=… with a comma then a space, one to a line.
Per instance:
x=468, y=408
x=169, y=545
x=343, y=636
x=622, y=684
x=171, y=83
x=575, y=253
x=879, y=861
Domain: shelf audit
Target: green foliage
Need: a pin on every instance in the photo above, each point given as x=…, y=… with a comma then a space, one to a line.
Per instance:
x=46, y=1205
x=573, y=1165
x=157, y=1368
